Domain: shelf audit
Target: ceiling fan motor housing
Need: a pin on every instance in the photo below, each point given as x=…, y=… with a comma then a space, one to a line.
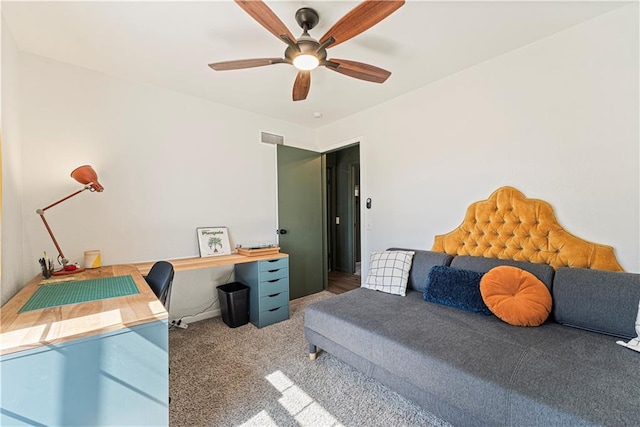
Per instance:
x=307, y=18
x=306, y=45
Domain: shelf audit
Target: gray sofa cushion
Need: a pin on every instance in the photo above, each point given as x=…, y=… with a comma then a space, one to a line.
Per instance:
x=422, y=263
x=544, y=272
x=596, y=300
x=494, y=372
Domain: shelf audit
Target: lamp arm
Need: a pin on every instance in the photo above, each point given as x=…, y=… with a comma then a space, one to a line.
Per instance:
x=63, y=259
x=86, y=187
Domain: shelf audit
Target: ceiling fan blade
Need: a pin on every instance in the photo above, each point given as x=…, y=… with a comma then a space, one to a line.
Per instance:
x=245, y=63
x=359, y=19
x=359, y=70
x=302, y=85
x=265, y=17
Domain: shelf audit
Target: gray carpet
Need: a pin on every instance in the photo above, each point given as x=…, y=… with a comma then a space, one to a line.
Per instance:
x=263, y=377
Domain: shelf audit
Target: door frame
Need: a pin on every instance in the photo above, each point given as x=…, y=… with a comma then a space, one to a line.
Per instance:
x=325, y=229
x=354, y=219
x=364, y=260
x=329, y=207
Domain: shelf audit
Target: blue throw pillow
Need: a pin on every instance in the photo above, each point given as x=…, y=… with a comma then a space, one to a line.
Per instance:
x=455, y=288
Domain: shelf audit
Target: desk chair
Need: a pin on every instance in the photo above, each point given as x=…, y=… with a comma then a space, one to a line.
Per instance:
x=159, y=279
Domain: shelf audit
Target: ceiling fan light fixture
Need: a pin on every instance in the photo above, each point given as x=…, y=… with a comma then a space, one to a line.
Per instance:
x=306, y=53
x=306, y=62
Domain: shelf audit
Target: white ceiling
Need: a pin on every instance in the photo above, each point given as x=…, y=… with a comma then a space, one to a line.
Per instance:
x=169, y=44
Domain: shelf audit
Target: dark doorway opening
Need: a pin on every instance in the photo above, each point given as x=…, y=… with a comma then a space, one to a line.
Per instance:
x=343, y=217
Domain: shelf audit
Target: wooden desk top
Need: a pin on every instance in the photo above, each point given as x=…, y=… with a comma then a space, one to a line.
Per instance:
x=213, y=261
x=37, y=328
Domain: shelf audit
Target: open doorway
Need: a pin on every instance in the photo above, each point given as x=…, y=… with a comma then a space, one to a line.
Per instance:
x=343, y=218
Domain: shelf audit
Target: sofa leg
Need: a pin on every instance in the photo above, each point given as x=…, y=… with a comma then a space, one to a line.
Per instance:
x=313, y=352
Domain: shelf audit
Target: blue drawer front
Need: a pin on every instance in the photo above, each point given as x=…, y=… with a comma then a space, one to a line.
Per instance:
x=274, y=315
x=268, y=276
x=274, y=264
x=274, y=301
x=274, y=286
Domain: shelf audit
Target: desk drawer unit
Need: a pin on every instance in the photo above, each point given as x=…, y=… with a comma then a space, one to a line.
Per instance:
x=268, y=283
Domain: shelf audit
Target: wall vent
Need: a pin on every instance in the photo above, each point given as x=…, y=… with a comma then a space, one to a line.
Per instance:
x=271, y=138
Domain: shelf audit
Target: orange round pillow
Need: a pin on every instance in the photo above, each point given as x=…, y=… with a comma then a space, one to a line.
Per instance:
x=516, y=296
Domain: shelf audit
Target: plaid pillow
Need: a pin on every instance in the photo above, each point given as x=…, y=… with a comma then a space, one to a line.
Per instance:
x=389, y=271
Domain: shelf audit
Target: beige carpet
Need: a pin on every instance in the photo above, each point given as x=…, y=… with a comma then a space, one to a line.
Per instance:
x=263, y=377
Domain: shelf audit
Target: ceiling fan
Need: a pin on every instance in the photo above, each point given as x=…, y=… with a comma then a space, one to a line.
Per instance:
x=306, y=53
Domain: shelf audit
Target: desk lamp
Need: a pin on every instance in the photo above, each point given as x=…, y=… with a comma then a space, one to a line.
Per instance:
x=84, y=175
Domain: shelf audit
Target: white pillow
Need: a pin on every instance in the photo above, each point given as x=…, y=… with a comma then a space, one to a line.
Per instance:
x=389, y=271
x=634, y=344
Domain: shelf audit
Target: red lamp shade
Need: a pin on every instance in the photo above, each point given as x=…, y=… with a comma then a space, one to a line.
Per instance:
x=87, y=176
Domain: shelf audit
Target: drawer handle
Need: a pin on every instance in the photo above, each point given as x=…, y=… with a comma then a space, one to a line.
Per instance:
x=274, y=309
x=273, y=271
x=272, y=281
x=273, y=260
x=274, y=295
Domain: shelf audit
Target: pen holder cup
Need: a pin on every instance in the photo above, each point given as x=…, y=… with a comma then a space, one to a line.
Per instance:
x=46, y=272
x=92, y=259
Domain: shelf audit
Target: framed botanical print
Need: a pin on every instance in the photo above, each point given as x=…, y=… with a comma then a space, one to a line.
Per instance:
x=213, y=241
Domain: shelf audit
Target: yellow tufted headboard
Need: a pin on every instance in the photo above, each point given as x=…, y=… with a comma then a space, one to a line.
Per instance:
x=509, y=226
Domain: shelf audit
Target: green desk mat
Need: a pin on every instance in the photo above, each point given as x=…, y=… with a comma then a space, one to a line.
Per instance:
x=81, y=291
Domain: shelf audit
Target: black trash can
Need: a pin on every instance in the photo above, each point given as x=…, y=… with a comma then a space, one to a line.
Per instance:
x=234, y=304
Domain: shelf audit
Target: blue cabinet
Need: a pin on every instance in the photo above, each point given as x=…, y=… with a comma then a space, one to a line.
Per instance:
x=268, y=283
x=111, y=379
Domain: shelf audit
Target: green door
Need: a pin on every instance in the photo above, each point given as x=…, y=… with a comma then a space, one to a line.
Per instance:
x=300, y=218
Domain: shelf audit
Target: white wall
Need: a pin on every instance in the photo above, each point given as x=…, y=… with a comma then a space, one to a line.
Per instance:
x=169, y=163
x=12, y=272
x=557, y=119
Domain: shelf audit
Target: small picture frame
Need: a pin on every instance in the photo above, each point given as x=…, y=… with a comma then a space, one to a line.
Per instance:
x=213, y=241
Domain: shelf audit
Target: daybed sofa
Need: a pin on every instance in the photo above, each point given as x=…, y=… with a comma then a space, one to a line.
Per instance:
x=473, y=369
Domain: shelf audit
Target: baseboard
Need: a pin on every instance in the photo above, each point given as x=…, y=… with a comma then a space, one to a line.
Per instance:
x=201, y=316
